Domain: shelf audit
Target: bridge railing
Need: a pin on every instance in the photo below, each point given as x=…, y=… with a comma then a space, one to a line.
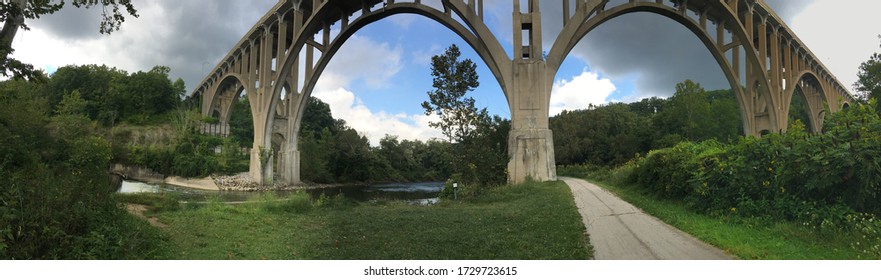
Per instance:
x=214, y=129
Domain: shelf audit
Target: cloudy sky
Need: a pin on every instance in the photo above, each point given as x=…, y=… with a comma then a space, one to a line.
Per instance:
x=381, y=75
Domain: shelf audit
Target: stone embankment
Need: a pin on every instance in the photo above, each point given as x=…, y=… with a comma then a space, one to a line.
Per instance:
x=244, y=182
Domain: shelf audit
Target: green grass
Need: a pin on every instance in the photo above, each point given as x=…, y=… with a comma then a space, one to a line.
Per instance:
x=530, y=221
x=742, y=238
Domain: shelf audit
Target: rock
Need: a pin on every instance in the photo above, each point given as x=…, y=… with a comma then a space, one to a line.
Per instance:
x=244, y=182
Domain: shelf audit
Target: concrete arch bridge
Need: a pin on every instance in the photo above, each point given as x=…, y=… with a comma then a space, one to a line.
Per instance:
x=278, y=62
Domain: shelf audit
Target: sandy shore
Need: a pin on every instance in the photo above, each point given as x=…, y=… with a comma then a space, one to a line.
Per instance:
x=206, y=183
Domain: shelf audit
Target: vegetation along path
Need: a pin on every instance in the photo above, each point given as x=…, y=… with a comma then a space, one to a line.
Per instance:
x=618, y=230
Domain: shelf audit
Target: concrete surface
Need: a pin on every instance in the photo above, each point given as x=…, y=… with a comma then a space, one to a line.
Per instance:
x=203, y=184
x=620, y=231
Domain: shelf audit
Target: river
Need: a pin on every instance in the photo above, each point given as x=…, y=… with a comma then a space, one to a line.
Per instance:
x=425, y=193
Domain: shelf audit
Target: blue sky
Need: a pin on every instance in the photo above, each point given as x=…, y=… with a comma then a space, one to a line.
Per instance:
x=378, y=80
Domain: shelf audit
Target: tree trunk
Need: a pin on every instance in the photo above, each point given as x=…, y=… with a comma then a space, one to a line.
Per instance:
x=10, y=27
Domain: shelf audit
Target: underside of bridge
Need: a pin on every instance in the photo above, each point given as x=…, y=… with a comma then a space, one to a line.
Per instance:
x=763, y=60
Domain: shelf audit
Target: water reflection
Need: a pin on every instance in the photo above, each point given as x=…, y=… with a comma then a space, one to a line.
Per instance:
x=425, y=193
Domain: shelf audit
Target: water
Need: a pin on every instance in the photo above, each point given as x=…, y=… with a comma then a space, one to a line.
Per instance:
x=415, y=193
x=425, y=193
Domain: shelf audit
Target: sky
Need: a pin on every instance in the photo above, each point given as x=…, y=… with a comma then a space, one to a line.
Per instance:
x=380, y=76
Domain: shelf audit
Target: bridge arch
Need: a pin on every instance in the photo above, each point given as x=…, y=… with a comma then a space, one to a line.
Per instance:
x=572, y=34
x=311, y=82
x=817, y=103
x=217, y=93
x=724, y=15
x=487, y=48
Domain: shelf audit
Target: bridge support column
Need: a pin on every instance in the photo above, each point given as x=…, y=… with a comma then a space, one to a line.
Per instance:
x=532, y=155
x=530, y=142
x=261, y=165
x=289, y=170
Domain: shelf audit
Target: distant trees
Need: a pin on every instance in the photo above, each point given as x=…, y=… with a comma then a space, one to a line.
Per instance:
x=112, y=95
x=333, y=152
x=613, y=134
x=868, y=83
x=695, y=114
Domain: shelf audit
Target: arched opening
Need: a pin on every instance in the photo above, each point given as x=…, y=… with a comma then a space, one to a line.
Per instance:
x=356, y=86
x=800, y=112
x=809, y=104
x=232, y=121
x=331, y=30
x=644, y=51
x=240, y=122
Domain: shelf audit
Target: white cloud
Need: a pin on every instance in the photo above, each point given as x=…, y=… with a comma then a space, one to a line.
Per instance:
x=423, y=57
x=166, y=33
x=842, y=40
x=580, y=92
x=376, y=64
x=375, y=125
x=47, y=52
x=362, y=58
x=403, y=20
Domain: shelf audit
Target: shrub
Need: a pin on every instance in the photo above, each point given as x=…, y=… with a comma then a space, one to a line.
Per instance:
x=829, y=181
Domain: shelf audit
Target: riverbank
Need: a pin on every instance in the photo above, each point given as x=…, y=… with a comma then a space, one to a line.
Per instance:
x=238, y=182
x=535, y=221
x=206, y=184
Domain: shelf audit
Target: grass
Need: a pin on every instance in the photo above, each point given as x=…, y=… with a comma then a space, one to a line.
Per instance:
x=530, y=221
x=743, y=238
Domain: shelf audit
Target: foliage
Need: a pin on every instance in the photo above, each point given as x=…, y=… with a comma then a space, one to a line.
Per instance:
x=15, y=13
x=744, y=237
x=613, y=134
x=480, y=141
x=58, y=203
x=868, y=82
x=241, y=122
x=829, y=181
x=452, y=79
x=798, y=111
x=112, y=95
x=333, y=152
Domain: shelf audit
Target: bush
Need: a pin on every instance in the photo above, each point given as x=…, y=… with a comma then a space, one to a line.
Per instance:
x=829, y=181
x=670, y=172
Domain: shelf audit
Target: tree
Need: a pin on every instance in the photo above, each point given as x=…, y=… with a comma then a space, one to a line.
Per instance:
x=868, y=83
x=452, y=80
x=480, y=140
x=317, y=117
x=13, y=14
x=688, y=113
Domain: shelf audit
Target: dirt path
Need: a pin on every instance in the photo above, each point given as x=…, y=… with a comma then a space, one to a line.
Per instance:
x=620, y=231
x=138, y=210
